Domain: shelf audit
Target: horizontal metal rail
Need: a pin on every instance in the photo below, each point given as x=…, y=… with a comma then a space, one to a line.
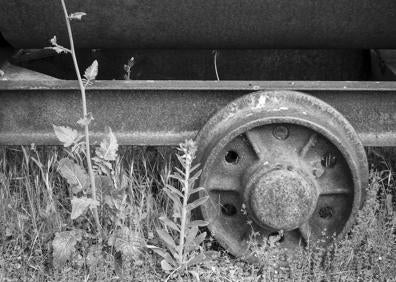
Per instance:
x=167, y=112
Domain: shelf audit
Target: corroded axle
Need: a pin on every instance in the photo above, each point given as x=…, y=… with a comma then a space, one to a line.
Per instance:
x=281, y=198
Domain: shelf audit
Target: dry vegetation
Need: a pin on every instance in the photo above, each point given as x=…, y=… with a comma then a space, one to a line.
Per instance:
x=35, y=210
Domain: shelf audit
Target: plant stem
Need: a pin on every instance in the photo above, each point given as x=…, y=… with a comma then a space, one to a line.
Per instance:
x=215, y=65
x=184, y=211
x=84, y=106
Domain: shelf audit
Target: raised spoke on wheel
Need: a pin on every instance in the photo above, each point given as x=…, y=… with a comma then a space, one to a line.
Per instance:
x=256, y=140
x=332, y=184
x=313, y=139
x=224, y=183
x=334, y=191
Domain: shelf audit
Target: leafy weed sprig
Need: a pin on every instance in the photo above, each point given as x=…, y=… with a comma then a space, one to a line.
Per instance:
x=89, y=76
x=180, y=233
x=82, y=185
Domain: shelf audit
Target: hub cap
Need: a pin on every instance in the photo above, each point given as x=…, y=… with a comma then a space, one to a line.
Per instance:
x=281, y=199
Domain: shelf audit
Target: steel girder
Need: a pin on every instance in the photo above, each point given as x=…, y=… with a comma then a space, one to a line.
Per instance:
x=167, y=112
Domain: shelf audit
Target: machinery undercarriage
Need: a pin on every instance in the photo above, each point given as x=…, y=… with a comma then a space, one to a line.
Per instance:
x=281, y=97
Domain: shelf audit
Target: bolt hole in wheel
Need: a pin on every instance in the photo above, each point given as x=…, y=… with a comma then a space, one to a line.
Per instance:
x=282, y=137
x=326, y=212
x=229, y=210
x=232, y=157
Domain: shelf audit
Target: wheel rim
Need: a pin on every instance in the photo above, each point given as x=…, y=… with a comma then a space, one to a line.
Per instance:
x=280, y=161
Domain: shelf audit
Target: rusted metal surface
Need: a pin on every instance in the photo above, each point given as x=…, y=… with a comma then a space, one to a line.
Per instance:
x=309, y=180
x=280, y=198
x=167, y=112
x=204, y=24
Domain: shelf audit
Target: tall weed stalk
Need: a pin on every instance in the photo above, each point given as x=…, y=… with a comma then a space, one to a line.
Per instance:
x=180, y=233
x=89, y=76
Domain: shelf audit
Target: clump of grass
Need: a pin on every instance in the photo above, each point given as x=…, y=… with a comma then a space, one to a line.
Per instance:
x=370, y=248
x=30, y=176
x=29, y=222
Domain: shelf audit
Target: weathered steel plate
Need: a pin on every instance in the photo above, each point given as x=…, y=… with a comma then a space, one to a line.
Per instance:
x=204, y=23
x=167, y=112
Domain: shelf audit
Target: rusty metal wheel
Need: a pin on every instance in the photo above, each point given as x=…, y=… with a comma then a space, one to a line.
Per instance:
x=280, y=160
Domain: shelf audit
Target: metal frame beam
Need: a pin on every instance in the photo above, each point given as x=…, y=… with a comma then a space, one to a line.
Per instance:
x=167, y=112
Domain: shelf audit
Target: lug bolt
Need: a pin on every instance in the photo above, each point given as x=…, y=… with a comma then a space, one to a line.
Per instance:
x=281, y=132
x=329, y=160
x=229, y=209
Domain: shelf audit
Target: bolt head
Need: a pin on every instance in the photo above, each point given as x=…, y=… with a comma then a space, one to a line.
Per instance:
x=280, y=132
x=329, y=160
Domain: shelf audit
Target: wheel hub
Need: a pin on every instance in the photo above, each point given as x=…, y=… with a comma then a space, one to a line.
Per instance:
x=281, y=199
